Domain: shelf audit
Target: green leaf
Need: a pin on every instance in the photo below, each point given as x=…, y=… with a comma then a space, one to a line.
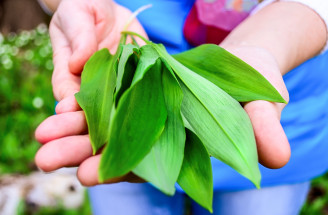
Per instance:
x=234, y=76
x=128, y=72
x=196, y=172
x=96, y=95
x=218, y=120
x=162, y=165
x=125, y=69
x=148, y=57
x=138, y=123
x=224, y=128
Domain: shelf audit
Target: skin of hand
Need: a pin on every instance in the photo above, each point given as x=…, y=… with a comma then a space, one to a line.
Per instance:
x=271, y=44
x=77, y=30
x=275, y=40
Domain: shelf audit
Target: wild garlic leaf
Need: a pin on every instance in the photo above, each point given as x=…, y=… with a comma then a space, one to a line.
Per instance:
x=217, y=119
x=129, y=71
x=161, y=166
x=148, y=57
x=234, y=76
x=96, y=95
x=196, y=172
x=138, y=123
x=223, y=127
x=125, y=69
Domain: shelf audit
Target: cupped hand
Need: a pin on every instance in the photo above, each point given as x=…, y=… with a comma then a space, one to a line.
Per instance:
x=66, y=143
x=272, y=144
x=77, y=30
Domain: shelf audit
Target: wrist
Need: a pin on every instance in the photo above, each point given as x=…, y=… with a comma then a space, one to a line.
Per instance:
x=289, y=31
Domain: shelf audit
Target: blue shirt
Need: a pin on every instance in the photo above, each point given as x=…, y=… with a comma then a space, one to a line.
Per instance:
x=305, y=118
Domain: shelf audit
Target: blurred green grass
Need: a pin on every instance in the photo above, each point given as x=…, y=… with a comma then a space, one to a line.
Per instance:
x=25, y=96
x=26, y=99
x=317, y=201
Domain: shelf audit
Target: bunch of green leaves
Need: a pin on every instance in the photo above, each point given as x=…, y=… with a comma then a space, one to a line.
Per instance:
x=163, y=116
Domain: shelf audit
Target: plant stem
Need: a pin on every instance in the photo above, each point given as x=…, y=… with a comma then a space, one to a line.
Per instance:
x=136, y=34
x=134, y=41
x=135, y=14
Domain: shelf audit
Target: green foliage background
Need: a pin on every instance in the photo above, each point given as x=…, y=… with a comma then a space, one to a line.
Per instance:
x=26, y=99
x=25, y=96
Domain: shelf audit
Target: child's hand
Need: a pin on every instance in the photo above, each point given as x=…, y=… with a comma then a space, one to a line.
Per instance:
x=274, y=41
x=67, y=144
x=272, y=143
x=77, y=30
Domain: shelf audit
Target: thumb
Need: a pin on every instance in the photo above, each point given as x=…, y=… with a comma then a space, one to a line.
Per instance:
x=272, y=144
x=77, y=21
x=83, y=46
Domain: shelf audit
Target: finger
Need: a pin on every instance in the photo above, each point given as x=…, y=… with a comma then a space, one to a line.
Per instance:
x=83, y=47
x=64, y=152
x=68, y=104
x=88, y=173
x=61, y=125
x=64, y=83
x=272, y=144
x=79, y=31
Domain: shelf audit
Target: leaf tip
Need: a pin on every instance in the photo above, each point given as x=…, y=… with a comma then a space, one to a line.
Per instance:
x=94, y=150
x=280, y=99
x=169, y=192
x=209, y=207
x=257, y=183
x=284, y=101
x=100, y=177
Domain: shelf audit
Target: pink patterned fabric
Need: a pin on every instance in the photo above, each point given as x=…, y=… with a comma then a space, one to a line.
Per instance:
x=210, y=21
